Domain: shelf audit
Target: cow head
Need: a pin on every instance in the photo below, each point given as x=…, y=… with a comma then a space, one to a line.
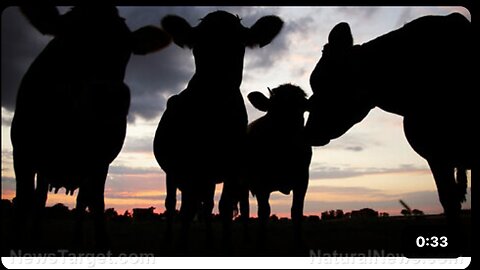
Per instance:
x=219, y=40
x=287, y=103
x=337, y=102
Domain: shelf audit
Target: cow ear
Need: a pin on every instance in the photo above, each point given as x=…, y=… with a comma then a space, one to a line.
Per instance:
x=180, y=30
x=259, y=101
x=341, y=36
x=44, y=18
x=149, y=39
x=264, y=31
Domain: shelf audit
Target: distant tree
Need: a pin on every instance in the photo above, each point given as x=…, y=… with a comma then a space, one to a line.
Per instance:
x=417, y=212
x=127, y=214
x=143, y=213
x=313, y=218
x=58, y=210
x=325, y=215
x=406, y=212
x=339, y=213
x=274, y=217
x=384, y=214
x=110, y=213
x=364, y=213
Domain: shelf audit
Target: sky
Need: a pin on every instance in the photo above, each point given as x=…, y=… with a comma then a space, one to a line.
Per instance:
x=372, y=165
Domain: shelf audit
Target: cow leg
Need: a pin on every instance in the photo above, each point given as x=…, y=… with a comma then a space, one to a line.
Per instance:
x=297, y=210
x=447, y=187
x=97, y=207
x=80, y=212
x=187, y=213
x=41, y=192
x=263, y=215
x=226, y=206
x=208, y=196
x=170, y=206
x=244, y=209
x=444, y=176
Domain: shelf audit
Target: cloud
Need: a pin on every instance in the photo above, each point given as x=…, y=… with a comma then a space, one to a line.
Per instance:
x=157, y=196
x=7, y=117
x=8, y=185
x=139, y=144
x=354, y=148
x=152, y=78
x=354, y=140
x=266, y=58
x=125, y=170
x=320, y=171
x=21, y=43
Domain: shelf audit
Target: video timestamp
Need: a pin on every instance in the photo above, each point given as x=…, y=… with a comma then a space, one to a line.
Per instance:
x=435, y=242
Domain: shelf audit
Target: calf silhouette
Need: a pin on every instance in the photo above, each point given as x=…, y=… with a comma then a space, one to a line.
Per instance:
x=200, y=138
x=422, y=72
x=278, y=156
x=71, y=112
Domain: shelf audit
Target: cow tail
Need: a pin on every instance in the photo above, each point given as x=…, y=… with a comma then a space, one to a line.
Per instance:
x=461, y=177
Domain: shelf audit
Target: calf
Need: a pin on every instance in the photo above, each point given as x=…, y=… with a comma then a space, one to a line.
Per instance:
x=278, y=156
x=71, y=112
x=200, y=138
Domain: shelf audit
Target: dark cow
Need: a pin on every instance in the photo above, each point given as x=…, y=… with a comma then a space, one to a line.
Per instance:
x=278, y=156
x=200, y=138
x=422, y=72
x=71, y=112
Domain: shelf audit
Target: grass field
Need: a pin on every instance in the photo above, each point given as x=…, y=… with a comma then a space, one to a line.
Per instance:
x=343, y=237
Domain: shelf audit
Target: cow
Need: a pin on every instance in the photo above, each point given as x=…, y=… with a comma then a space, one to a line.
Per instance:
x=278, y=156
x=200, y=137
x=421, y=71
x=71, y=110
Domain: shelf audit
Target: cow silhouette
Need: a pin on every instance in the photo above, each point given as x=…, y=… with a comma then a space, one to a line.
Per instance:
x=421, y=71
x=71, y=112
x=278, y=156
x=199, y=140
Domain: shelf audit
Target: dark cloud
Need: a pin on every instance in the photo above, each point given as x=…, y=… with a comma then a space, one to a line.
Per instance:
x=152, y=78
x=21, y=43
x=318, y=171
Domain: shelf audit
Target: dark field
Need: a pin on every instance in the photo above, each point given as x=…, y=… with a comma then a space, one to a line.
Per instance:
x=344, y=237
